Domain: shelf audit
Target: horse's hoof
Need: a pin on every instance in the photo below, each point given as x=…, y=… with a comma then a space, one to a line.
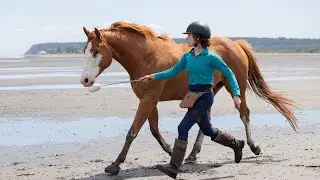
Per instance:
x=255, y=149
x=190, y=160
x=112, y=169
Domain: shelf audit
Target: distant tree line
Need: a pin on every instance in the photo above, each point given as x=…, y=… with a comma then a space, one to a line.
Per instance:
x=281, y=44
x=57, y=48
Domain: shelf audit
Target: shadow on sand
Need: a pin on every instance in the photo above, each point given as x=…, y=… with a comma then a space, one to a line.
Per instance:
x=151, y=171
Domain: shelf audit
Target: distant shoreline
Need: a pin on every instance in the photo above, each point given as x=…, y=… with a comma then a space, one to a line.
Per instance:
x=81, y=55
x=259, y=45
x=52, y=55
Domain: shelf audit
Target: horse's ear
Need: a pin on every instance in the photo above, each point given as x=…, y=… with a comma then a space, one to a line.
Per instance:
x=97, y=32
x=86, y=31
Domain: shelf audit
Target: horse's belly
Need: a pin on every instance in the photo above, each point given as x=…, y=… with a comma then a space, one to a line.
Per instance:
x=175, y=89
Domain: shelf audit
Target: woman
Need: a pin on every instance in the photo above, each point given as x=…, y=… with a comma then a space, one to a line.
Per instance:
x=200, y=64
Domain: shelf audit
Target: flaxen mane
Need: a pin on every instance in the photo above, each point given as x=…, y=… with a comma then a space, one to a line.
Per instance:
x=141, y=30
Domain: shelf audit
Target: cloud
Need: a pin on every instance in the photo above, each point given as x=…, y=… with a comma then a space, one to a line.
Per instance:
x=67, y=28
x=154, y=26
x=49, y=28
x=61, y=29
x=19, y=30
x=53, y=28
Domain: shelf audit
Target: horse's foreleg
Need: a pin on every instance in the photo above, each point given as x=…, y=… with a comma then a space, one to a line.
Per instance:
x=146, y=105
x=244, y=115
x=154, y=127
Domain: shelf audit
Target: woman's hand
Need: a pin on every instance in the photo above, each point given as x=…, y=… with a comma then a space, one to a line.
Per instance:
x=237, y=102
x=146, y=78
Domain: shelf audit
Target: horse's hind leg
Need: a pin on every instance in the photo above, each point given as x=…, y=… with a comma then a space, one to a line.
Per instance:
x=192, y=158
x=245, y=117
x=153, y=121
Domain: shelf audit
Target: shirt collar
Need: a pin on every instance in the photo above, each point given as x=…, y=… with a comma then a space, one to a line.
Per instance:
x=203, y=52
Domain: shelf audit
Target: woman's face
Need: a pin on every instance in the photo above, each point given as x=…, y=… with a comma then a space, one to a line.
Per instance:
x=190, y=40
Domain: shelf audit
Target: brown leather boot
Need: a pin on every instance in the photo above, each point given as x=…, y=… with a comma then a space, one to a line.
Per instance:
x=178, y=153
x=228, y=140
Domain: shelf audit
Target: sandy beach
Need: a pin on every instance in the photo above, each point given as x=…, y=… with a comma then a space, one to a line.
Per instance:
x=52, y=128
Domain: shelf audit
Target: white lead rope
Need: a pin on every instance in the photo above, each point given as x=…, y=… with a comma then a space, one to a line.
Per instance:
x=97, y=87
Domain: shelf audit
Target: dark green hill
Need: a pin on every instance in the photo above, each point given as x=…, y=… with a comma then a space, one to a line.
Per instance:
x=287, y=45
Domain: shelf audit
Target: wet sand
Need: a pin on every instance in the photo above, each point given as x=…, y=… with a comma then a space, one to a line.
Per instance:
x=285, y=155
x=58, y=98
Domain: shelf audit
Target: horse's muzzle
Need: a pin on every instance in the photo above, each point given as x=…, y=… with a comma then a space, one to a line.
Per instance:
x=86, y=83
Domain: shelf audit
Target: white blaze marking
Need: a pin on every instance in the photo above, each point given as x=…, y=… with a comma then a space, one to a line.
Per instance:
x=91, y=66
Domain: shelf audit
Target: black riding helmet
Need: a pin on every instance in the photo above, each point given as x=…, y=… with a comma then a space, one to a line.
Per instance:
x=199, y=28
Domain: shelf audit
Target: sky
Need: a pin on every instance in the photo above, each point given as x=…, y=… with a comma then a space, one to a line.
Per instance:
x=26, y=22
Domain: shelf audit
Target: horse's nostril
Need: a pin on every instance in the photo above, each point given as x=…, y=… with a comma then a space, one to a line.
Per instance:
x=86, y=80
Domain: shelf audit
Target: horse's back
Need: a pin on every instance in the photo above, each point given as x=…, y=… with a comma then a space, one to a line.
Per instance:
x=230, y=51
x=233, y=55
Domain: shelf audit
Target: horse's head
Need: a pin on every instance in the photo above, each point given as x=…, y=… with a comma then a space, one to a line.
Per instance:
x=98, y=57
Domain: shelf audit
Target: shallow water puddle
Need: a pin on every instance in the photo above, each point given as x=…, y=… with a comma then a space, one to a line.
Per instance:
x=78, y=69
x=290, y=78
x=56, y=87
x=39, y=69
x=28, y=130
x=57, y=74
x=126, y=85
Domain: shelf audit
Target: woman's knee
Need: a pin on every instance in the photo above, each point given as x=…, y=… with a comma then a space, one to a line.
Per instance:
x=208, y=130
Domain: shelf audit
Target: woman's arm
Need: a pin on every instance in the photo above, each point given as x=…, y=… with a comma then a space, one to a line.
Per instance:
x=218, y=63
x=172, y=72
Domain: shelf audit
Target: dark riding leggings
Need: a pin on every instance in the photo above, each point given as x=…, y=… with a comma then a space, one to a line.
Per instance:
x=198, y=114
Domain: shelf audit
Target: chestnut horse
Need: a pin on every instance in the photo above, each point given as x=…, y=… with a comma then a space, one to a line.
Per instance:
x=141, y=51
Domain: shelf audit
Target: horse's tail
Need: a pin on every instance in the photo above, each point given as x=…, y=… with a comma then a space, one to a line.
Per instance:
x=261, y=88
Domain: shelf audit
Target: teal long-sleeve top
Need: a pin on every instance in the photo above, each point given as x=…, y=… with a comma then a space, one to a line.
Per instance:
x=200, y=69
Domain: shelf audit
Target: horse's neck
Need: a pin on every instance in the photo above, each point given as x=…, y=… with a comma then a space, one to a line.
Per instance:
x=132, y=54
x=135, y=54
